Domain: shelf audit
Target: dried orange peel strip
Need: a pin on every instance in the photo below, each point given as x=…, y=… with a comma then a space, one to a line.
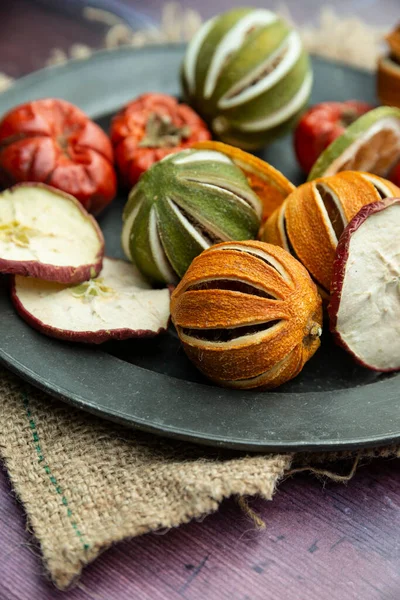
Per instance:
x=311, y=221
x=267, y=182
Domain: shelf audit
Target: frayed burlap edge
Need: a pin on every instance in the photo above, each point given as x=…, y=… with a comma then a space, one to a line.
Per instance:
x=86, y=484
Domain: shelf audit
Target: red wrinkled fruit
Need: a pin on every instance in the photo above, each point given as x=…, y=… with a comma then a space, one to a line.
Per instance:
x=148, y=129
x=321, y=125
x=52, y=141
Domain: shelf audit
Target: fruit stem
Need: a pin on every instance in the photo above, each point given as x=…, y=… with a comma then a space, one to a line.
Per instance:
x=161, y=132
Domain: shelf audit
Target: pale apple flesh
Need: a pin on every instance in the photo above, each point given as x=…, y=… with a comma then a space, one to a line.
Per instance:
x=46, y=233
x=364, y=309
x=118, y=304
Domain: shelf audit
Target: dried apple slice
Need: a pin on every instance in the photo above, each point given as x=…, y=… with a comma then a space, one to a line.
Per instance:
x=119, y=304
x=46, y=233
x=365, y=293
x=372, y=144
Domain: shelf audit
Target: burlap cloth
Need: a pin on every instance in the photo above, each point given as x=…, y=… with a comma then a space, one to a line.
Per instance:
x=85, y=483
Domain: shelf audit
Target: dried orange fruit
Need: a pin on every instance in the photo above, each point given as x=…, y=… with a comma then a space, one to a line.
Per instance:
x=248, y=315
x=267, y=182
x=388, y=81
x=312, y=219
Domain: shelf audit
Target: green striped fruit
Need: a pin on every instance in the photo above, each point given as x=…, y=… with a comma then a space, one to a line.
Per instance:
x=247, y=74
x=182, y=205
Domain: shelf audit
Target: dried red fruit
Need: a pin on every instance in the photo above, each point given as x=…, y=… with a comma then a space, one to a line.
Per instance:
x=149, y=128
x=52, y=141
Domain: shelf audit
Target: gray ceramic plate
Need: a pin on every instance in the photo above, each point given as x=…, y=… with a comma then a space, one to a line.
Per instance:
x=333, y=404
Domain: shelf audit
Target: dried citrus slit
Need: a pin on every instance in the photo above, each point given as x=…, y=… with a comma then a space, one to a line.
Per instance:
x=227, y=334
x=334, y=213
x=232, y=285
x=204, y=237
x=258, y=74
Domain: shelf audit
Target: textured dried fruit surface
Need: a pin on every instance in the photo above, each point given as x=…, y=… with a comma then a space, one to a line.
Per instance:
x=54, y=142
x=149, y=128
x=321, y=125
x=371, y=144
x=181, y=206
x=365, y=296
x=247, y=314
x=247, y=74
x=270, y=185
x=46, y=233
x=313, y=217
x=118, y=304
x=388, y=81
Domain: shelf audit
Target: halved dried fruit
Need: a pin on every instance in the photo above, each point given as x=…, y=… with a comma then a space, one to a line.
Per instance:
x=247, y=314
x=119, y=304
x=365, y=293
x=47, y=233
x=181, y=206
x=267, y=182
x=372, y=143
x=312, y=219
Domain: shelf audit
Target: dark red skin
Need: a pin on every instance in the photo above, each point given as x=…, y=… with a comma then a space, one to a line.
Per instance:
x=128, y=128
x=54, y=142
x=339, y=269
x=68, y=275
x=321, y=125
x=394, y=175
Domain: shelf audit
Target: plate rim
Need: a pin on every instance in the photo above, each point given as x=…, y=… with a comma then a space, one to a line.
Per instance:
x=168, y=430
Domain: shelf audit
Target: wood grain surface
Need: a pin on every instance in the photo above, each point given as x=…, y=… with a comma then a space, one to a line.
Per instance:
x=323, y=541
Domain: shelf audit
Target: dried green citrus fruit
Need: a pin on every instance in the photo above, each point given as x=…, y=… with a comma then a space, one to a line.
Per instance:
x=181, y=206
x=371, y=144
x=247, y=74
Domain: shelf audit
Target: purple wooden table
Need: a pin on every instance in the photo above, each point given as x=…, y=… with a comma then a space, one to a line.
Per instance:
x=321, y=542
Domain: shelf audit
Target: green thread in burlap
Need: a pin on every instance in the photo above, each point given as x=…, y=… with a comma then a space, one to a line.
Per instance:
x=86, y=483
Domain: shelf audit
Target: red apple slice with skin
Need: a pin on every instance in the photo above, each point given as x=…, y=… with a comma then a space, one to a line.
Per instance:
x=364, y=308
x=119, y=304
x=46, y=233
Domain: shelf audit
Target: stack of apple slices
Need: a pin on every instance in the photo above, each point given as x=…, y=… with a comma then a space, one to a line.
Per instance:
x=62, y=284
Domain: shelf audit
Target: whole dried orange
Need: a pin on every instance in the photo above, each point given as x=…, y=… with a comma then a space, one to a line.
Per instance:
x=248, y=315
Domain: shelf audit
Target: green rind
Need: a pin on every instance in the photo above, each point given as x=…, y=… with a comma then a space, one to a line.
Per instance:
x=180, y=247
x=274, y=98
x=252, y=141
x=230, y=220
x=139, y=245
x=218, y=213
x=349, y=137
x=248, y=57
x=220, y=28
